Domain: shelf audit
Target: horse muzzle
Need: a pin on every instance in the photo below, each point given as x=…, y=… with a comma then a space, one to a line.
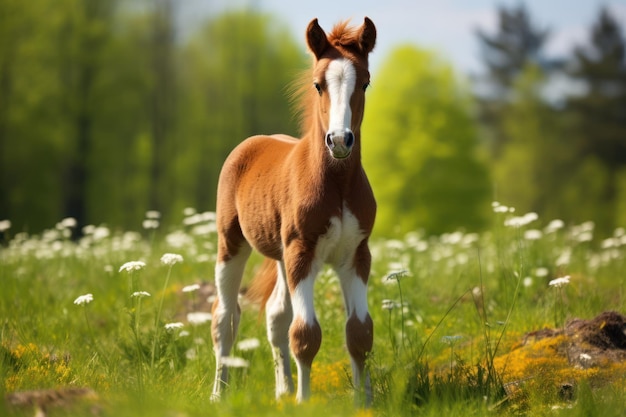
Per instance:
x=340, y=143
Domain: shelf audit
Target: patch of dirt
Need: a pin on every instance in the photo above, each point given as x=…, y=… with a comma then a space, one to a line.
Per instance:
x=589, y=343
x=554, y=361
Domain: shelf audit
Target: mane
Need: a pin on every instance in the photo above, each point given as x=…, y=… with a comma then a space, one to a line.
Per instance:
x=342, y=35
x=299, y=96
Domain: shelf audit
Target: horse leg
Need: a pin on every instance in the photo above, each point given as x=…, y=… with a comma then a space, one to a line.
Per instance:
x=305, y=333
x=359, y=325
x=226, y=312
x=278, y=317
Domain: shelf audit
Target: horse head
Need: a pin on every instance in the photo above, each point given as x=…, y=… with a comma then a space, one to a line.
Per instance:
x=340, y=78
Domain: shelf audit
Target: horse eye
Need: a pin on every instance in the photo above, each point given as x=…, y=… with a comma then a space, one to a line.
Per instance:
x=367, y=84
x=318, y=88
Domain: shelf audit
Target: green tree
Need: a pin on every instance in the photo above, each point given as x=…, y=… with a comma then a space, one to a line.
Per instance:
x=600, y=112
x=517, y=43
x=420, y=147
x=105, y=114
x=33, y=129
x=538, y=159
x=234, y=85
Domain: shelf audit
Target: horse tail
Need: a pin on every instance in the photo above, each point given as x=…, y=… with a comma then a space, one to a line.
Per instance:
x=263, y=283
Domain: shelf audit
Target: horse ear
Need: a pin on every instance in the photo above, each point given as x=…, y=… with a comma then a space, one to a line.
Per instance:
x=316, y=38
x=367, y=36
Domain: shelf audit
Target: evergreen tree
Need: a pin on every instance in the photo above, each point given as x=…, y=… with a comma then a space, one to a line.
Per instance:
x=600, y=112
x=516, y=44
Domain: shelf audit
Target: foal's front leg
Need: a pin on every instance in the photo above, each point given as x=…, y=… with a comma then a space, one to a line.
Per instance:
x=305, y=333
x=359, y=325
x=226, y=313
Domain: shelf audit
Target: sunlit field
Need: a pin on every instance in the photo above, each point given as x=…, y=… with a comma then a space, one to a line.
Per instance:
x=118, y=324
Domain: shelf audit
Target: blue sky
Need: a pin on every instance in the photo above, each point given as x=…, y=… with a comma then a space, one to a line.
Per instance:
x=446, y=26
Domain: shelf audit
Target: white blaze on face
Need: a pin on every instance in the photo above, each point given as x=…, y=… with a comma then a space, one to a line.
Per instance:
x=340, y=79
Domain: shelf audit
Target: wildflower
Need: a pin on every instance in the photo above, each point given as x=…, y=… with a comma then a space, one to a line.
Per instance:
x=189, y=211
x=564, y=258
x=171, y=259
x=173, y=326
x=533, y=234
x=179, y=239
x=395, y=276
x=585, y=236
x=203, y=258
x=191, y=288
x=199, y=317
x=450, y=340
x=559, y=282
x=150, y=224
x=153, y=214
x=554, y=225
x=68, y=223
x=84, y=299
x=248, y=344
x=5, y=225
x=132, y=266
x=101, y=232
x=521, y=221
x=541, y=272
x=388, y=304
x=140, y=294
x=234, y=362
x=527, y=282
x=500, y=208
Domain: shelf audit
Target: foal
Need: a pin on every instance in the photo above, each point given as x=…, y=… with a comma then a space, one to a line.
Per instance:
x=302, y=203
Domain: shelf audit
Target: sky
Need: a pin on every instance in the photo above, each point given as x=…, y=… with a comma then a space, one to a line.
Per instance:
x=446, y=26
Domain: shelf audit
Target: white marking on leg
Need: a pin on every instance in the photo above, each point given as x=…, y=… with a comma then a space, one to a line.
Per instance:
x=304, y=313
x=355, y=294
x=340, y=79
x=302, y=299
x=228, y=277
x=304, y=382
x=278, y=317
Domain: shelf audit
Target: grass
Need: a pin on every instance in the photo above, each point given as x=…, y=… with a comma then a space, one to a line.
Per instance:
x=449, y=314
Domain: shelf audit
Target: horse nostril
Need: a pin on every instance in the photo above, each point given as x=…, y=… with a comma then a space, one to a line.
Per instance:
x=349, y=140
x=329, y=140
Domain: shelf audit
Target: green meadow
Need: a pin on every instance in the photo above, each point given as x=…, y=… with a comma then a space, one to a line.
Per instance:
x=117, y=323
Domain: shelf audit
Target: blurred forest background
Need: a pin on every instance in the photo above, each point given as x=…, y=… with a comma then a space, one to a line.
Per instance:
x=106, y=112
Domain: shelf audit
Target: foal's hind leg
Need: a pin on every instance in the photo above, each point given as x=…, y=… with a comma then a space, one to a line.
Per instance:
x=279, y=314
x=228, y=275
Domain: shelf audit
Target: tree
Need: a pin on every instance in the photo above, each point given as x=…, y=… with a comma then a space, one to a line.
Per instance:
x=234, y=85
x=420, y=147
x=104, y=114
x=84, y=37
x=517, y=44
x=600, y=112
x=538, y=159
